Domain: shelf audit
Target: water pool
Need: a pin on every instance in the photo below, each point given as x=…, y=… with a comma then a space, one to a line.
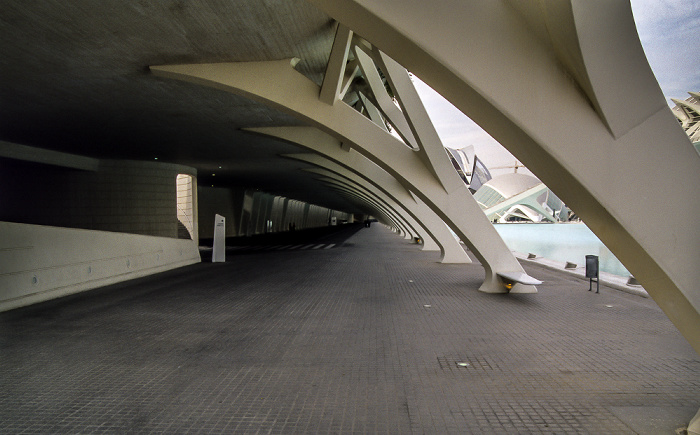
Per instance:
x=560, y=242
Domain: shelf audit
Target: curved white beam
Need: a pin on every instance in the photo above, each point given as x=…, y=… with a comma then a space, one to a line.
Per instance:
x=408, y=229
x=366, y=173
x=351, y=164
x=382, y=101
x=278, y=84
x=377, y=211
x=331, y=88
x=377, y=197
x=360, y=168
x=565, y=87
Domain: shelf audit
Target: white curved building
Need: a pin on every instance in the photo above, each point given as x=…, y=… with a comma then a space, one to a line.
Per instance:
x=688, y=113
x=520, y=197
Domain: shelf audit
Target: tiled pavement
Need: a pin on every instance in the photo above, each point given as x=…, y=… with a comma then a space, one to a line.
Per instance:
x=367, y=337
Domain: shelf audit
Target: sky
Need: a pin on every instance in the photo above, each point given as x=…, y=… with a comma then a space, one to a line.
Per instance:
x=668, y=31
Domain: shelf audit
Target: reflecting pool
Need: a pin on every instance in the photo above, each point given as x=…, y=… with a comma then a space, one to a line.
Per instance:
x=560, y=242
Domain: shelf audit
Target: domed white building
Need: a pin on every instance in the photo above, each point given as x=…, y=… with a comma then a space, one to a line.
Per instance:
x=520, y=197
x=688, y=114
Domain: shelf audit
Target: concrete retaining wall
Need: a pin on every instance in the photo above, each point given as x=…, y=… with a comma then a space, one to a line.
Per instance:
x=38, y=263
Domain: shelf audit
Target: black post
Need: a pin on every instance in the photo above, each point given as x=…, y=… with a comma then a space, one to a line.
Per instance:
x=592, y=272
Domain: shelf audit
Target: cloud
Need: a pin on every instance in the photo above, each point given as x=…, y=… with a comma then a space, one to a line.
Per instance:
x=671, y=14
x=668, y=32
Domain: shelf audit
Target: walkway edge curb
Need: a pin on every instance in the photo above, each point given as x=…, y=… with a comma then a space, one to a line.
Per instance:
x=608, y=279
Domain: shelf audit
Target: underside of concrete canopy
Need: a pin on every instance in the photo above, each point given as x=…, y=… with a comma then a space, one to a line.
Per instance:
x=563, y=85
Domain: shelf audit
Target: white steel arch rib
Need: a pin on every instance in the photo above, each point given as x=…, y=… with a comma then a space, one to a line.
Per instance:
x=366, y=173
x=566, y=88
x=369, y=195
x=278, y=84
x=407, y=228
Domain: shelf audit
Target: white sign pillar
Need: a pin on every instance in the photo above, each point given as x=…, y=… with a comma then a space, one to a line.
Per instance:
x=219, y=249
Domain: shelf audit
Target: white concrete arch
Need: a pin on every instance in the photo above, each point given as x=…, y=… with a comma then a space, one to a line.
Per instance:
x=430, y=228
x=359, y=169
x=380, y=200
x=373, y=210
x=278, y=84
x=408, y=228
x=383, y=183
x=566, y=88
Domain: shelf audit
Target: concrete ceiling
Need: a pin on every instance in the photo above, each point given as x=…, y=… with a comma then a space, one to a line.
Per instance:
x=74, y=77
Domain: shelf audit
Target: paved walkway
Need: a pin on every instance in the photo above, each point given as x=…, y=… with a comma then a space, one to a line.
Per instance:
x=369, y=336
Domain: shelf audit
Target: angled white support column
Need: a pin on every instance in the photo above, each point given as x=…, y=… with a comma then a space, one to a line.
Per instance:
x=430, y=148
x=382, y=101
x=278, y=84
x=354, y=166
x=333, y=80
x=372, y=111
x=565, y=87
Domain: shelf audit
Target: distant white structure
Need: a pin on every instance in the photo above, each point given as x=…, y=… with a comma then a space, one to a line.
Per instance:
x=688, y=114
x=520, y=197
x=470, y=169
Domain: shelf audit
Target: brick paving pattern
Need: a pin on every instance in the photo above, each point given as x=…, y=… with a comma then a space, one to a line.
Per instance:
x=371, y=336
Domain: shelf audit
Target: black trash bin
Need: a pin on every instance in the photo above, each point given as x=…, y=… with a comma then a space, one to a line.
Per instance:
x=592, y=272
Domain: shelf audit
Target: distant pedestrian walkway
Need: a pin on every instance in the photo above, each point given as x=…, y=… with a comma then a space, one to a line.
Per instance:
x=371, y=336
x=263, y=248
x=313, y=238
